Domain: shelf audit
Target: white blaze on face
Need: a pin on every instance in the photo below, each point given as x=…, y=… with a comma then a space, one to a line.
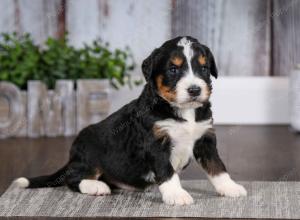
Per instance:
x=189, y=79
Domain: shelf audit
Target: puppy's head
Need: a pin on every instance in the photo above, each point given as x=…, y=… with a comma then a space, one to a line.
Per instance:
x=180, y=71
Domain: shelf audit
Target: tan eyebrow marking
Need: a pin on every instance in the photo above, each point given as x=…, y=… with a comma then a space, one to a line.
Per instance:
x=202, y=59
x=177, y=61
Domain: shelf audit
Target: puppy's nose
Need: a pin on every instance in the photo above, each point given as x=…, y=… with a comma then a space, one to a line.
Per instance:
x=194, y=90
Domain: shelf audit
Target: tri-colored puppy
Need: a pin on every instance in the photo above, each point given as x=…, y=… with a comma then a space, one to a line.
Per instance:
x=151, y=139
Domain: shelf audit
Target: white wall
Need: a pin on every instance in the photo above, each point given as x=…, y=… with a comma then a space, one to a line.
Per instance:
x=236, y=100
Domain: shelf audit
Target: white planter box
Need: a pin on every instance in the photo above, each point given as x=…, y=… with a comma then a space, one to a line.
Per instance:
x=59, y=112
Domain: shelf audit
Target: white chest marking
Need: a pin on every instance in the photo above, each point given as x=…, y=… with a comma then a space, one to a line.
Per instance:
x=183, y=136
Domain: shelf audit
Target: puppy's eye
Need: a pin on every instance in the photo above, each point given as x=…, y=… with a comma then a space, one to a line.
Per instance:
x=204, y=69
x=173, y=69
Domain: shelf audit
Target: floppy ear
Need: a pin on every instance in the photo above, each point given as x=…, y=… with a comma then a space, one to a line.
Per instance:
x=148, y=65
x=212, y=64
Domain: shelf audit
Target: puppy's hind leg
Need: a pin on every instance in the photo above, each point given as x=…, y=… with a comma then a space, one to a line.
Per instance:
x=84, y=179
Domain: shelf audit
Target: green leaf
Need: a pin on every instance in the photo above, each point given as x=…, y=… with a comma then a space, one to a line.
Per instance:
x=22, y=60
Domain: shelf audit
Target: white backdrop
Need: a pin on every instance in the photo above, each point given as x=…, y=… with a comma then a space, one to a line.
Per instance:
x=236, y=100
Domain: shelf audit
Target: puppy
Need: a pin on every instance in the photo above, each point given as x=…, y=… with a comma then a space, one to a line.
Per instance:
x=151, y=139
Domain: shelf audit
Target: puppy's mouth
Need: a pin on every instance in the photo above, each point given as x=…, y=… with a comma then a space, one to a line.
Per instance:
x=191, y=103
x=194, y=99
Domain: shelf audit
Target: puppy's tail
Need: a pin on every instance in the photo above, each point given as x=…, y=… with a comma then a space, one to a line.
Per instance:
x=53, y=180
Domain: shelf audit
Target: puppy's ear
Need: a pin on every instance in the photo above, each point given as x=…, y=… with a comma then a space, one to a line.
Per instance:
x=148, y=65
x=212, y=64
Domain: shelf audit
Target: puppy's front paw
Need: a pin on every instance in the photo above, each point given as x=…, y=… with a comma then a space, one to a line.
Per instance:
x=231, y=189
x=179, y=197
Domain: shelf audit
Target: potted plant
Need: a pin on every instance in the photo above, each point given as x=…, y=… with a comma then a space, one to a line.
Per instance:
x=57, y=66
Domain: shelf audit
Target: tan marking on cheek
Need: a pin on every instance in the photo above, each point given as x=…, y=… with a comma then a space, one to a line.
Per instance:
x=202, y=60
x=165, y=91
x=206, y=92
x=177, y=61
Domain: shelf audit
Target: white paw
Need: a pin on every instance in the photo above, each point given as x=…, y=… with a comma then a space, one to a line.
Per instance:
x=179, y=197
x=94, y=187
x=231, y=189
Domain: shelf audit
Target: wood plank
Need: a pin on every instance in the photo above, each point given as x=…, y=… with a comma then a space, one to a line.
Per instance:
x=40, y=18
x=286, y=32
x=137, y=24
x=82, y=21
x=8, y=16
x=237, y=31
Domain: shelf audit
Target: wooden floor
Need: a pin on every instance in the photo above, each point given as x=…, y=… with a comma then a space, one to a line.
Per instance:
x=269, y=153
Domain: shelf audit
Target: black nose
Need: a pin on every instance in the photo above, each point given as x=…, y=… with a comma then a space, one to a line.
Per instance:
x=194, y=90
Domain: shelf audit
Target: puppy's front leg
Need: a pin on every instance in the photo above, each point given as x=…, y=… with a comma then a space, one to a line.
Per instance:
x=172, y=192
x=206, y=154
x=169, y=183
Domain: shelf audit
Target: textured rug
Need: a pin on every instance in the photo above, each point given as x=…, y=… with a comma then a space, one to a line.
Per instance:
x=264, y=200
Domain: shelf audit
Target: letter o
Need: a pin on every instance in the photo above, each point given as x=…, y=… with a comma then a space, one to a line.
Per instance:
x=15, y=120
